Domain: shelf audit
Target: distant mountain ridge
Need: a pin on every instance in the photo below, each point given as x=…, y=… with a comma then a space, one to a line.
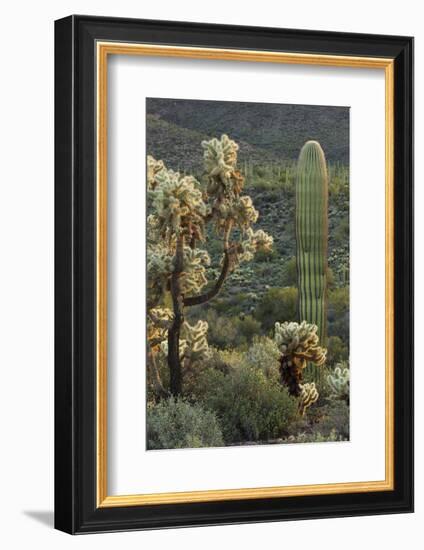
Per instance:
x=265, y=132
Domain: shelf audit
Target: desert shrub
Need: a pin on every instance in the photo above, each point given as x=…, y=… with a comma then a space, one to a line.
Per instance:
x=336, y=350
x=341, y=232
x=234, y=359
x=335, y=417
x=163, y=372
x=249, y=406
x=291, y=272
x=263, y=354
x=229, y=332
x=259, y=171
x=277, y=304
x=330, y=278
x=328, y=422
x=218, y=360
x=236, y=303
x=266, y=255
x=222, y=330
x=338, y=313
x=338, y=300
x=176, y=424
x=314, y=437
x=248, y=328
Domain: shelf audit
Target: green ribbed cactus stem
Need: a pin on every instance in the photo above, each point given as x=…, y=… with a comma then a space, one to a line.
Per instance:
x=312, y=239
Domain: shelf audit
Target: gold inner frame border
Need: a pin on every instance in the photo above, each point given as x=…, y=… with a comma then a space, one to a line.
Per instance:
x=103, y=50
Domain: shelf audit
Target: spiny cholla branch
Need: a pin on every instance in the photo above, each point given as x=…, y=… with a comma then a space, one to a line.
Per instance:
x=299, y=345
x=193, y=344
x=339, y=381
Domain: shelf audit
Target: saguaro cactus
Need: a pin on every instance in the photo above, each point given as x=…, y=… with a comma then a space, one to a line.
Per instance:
x=311, y=238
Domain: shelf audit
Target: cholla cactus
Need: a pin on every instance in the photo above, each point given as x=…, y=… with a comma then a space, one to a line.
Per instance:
x=178, y=204
x=153, y=167
x=220, y=159
x=196, y=343
x=159, y=269
x=339, y=382
x=300, y=340
x=193, y=278
x=181, y=208
x=159, y=320
x=255, y=241
x=299, y=345
x=193, y=344
x=308, y=396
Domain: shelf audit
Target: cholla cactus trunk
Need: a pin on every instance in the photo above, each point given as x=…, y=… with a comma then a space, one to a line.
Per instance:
x=291, y=372
x=174, y=360
x=312, y=239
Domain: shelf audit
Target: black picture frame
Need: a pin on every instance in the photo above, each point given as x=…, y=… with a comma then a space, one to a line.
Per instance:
x=76, y=510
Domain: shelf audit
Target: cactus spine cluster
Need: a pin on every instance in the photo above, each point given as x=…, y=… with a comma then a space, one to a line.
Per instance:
x=308, y=396
x=339, y=382
x=312, y=237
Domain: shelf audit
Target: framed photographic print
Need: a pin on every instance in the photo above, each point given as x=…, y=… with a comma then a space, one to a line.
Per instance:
x=233, y=272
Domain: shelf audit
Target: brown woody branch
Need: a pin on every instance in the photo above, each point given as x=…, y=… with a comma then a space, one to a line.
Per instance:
x=203, y=298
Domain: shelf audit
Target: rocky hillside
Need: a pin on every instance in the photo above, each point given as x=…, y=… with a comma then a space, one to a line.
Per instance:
x=265, y=132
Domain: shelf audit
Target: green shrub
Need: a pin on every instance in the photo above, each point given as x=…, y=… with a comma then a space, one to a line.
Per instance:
x=176, y=424
x=328, y=422
x=314, y=437
x=291, y=272
x=234, y=359
x=264, y=354
x=247, y=327
x=338, y=301
x=277, y=304
x=231, y=332
x=266, y=256
x=249, y=406
x=341, y=232
x=335, y=418
x=338, y=313
x=336, y=350
x=163, y=372
x=222, y=331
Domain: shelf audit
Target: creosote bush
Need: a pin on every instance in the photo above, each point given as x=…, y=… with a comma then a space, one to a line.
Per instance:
x=230, y=332
x=277, y=304
x=334, y=418
x=337, y=350
x=249, y=406
x=176, y=424
x=314, y=437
